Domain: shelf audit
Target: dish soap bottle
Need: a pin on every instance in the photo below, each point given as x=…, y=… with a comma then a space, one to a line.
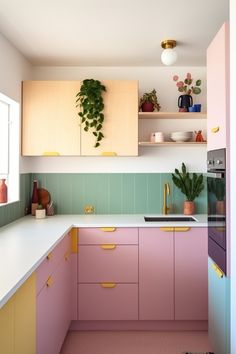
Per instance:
x=3, y=191
x=35, y=198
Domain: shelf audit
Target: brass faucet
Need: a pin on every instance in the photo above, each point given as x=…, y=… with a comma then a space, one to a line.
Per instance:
x=166, y=191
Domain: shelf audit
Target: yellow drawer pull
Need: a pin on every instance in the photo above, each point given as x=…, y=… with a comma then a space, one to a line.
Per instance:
x=215, y=129
x=49, y=282
x=218, y=271
x=74, y=239
x=180, y=229
x=49, y=256
x=108, y=247
x=66, y=256
x=109, y=153
x=108, y=285
x=167, y=229
x=51, y=153
x=108, y=229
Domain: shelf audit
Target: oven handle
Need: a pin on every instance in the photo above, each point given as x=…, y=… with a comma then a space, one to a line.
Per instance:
x=219, y=175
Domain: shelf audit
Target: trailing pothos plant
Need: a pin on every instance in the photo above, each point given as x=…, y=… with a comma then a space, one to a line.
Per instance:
x=90, y=101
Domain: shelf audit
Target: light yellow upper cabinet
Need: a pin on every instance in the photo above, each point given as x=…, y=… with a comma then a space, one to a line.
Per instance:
x=50, y=125
x=120, y=127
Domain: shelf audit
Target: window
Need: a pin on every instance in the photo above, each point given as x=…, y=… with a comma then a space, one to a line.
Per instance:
x=9, y=145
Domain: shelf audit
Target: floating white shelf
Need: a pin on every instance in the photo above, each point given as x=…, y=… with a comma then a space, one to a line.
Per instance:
x=172, y=115
x=172, y=143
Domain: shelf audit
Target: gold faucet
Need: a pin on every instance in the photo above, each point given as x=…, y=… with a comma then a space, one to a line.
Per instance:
x=166, y=192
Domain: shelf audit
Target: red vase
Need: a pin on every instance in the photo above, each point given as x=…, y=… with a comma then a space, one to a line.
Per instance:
x=3, y=191
x=147, y=106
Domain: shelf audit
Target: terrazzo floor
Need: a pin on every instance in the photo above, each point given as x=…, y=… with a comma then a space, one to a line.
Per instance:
x=135, y=342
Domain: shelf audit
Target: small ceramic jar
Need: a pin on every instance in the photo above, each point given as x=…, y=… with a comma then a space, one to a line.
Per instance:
x=40, y=213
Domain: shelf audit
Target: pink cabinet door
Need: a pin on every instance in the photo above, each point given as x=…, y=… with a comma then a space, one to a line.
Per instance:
x=156, y=274
x=108, y=303
x=95, y=236
x=191, y=275
x=218, y=89
x=54, y=309
x=99, y=263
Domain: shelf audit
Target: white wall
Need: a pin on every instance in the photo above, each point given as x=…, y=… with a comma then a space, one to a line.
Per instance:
x=14, y=68
x=151, y=159
x=233, y=171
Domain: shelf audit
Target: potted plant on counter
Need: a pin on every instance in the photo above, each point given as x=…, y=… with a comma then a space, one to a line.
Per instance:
x=149, y=102
x=190, y=186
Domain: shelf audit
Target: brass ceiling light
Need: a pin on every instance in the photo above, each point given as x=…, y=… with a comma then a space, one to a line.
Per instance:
x=169, y=55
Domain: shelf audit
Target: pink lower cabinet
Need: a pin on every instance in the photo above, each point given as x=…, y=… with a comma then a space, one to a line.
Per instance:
x=156, y=274
x=108, y=301
x=54, y=307
x=191, y=271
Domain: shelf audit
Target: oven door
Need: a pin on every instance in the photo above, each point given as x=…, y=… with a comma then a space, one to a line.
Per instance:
x=217, y=218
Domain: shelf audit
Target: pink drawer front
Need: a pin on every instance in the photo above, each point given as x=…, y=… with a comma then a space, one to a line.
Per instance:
x=115, y=263
x=101, y=303
x=50, y=262
x=108, y=235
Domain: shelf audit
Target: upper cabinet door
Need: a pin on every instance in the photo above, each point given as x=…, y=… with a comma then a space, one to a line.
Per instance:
x=120, y=127
x=218, y=89
x=50, y=121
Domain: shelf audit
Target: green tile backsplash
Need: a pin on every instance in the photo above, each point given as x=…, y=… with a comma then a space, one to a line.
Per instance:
x=13, y=211
x=113, y=193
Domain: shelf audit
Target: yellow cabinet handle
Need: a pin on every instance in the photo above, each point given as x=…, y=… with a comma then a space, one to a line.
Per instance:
x=74, y=239
x=167, y=229
x=215, y=129
x=66, y=256
x=49, y=256
x=108, y=247
x=109, y=153
x=108, y=285
x=218, y=271
x=49, y=282
x=51, y=153
x=182, y=229
x=108, y=229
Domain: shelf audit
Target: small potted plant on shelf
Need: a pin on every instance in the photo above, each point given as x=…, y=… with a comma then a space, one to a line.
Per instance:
x=190, y=186
x=149, y=102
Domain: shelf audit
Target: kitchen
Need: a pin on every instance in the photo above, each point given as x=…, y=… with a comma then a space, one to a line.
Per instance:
x=158, y=161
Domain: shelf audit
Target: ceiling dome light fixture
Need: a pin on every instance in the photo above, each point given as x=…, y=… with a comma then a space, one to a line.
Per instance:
x=169, y=55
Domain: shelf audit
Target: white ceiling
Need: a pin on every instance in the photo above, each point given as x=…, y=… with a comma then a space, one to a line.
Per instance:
x=111, y=32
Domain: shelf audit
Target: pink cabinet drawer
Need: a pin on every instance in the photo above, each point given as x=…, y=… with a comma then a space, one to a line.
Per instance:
x=112, y=303
x=115, y=263
x=108, y=235
x=50, y=262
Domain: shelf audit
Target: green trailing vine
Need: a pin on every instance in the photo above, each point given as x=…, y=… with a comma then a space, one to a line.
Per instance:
x=90, y=101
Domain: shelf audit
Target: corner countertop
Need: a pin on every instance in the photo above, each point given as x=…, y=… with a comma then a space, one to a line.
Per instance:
x=25, y=242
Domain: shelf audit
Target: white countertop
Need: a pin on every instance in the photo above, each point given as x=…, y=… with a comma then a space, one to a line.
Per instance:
x=25, y=242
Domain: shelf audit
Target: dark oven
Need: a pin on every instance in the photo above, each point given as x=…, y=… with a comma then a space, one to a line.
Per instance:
x=216, y=193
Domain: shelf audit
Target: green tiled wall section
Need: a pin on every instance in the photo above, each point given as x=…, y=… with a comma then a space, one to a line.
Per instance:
x=113, y=193
x=13, y=211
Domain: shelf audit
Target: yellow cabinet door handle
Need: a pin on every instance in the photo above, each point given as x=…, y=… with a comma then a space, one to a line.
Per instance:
x=108, y=247
x=218, y=271
x=49, y=256
x=51, y=153
x=66, y=256
x=182, y=229
x=49, y=281
x=109, y=153
x=108, y=285
x=167, y=229
x=74, y=239
x=108, y=229
x=215, y=129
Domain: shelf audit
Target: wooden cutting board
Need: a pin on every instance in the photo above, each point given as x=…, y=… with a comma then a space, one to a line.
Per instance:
x=44, y=197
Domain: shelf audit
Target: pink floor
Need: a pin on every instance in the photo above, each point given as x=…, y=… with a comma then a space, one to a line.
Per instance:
x=135, y=342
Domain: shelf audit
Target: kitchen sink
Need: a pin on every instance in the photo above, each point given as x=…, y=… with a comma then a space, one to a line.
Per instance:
x=168, y=218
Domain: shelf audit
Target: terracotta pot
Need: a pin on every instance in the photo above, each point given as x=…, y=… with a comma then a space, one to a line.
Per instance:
x=189, y=208
x=147, y=106
x=3, y=191
x=220, y=207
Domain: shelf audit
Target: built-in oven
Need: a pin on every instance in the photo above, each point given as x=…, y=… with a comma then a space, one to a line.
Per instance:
x=216, y=193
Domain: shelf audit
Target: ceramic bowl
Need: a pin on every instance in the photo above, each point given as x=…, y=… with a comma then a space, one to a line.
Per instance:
x=181, y=136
